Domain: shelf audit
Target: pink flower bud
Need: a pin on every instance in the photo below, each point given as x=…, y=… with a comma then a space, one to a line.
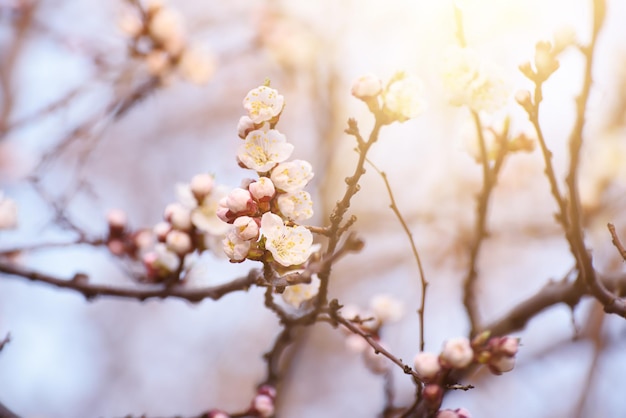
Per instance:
x=427, y=365
x=161, y=230
x=238, y=200
x=457, y=353
x=178, y=215
x=215, y=413
x=144, y=238
x=117, y=219
x=433, y=395
x=244, y=126
x=201, y=185
x=457, y=413
x=268, y=391
x=263, y=189
x=263, y=405
x=366, y=87
x=178, y=242
x=501, y=364
x=508, y=346
x=246, y=228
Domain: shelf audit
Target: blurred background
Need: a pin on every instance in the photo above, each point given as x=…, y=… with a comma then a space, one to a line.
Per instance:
x=62, y=66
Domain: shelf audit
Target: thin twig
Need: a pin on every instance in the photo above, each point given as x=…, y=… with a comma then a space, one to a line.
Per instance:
x=409, y=234
x=616, y=241
x=379, y=349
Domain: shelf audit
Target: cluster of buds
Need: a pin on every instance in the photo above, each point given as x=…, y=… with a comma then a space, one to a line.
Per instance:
x=545, y=62
x=157, y=36
x=8, y=212
x=383, y=309
x=399, y=101
x=264, y=212
x=498, y=353
x=190, y=226
x=121, y=241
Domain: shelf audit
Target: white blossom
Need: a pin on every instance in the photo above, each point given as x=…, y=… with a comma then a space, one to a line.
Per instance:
x=386, y=308
x=262, y=189
x=246, y=228
x=351, y=312
x=356, y=344
x=8, y=212
x=296, y=206
x=263, y=103
x=130, y=24
x=205, y=215
x=470, y=81
x=289, y=245
x=167, y=26
x=427, y=364
x=158, y=62
x=292, y=176
x=403, y=98
x=376, y=362
x=234, y=247
x=298, y=294
x=166, y=259
x=263, y=149
x=197, y=65
x=367, y=86
x=457, y=353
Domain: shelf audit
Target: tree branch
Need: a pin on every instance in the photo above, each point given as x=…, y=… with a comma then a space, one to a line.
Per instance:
x=80, y=284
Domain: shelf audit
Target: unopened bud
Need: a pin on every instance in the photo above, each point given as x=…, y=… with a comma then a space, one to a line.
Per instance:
x=427, y=365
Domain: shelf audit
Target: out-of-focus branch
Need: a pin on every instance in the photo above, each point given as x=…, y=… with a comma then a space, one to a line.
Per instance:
x=5, y=341
x=612, y=304
x=6, y=412
x=81, y=284
x=24, y=17
x=490, y=176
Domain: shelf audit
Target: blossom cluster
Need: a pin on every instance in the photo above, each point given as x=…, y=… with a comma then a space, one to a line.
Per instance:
x=400, y=100
x=471, y=81
x=497, y=353
x=264, y=212
x=190, y=226
x=157, y=35
x=383, y=309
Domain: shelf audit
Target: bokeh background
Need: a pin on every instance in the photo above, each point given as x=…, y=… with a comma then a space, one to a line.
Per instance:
x=63, y=62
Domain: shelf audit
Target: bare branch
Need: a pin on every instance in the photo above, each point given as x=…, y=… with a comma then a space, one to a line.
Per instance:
x=80, y=284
